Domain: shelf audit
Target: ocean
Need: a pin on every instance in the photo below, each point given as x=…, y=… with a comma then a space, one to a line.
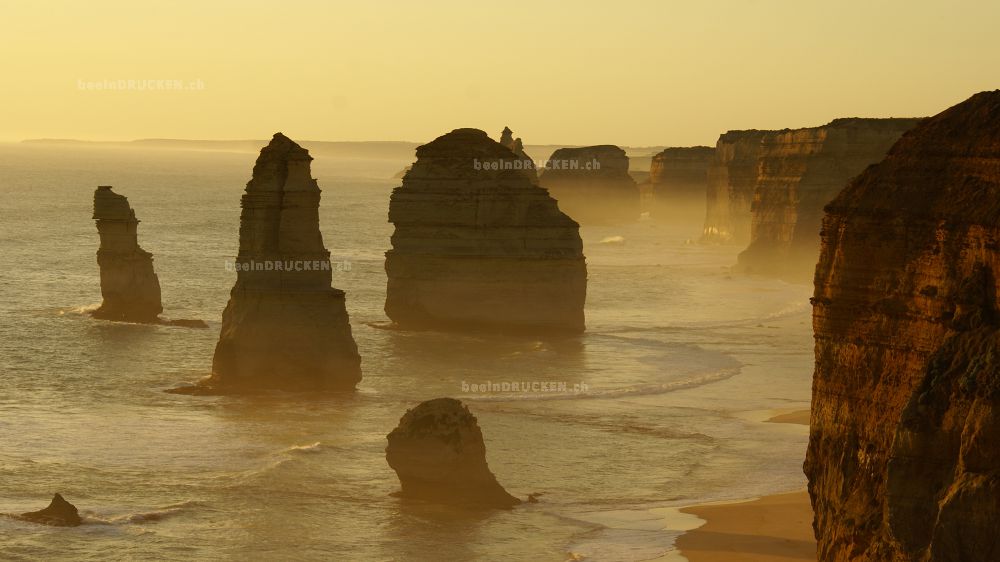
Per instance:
x=661, y=403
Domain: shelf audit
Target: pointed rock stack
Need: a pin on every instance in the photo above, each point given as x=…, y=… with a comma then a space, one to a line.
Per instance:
x=592, y=184
x=284, y=327
x=800, y=171
x=514, y=145
x=129, y=285
x=438, y=453
x=477, y=245
x=903, y=462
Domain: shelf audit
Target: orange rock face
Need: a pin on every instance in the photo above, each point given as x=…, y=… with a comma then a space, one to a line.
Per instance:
x=903, y=459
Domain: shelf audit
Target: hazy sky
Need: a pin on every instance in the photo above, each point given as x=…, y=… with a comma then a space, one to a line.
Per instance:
x=581, y=72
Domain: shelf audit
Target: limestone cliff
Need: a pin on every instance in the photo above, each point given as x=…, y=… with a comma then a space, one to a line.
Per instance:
x=477, y=245
x=592, y=184
x=437, y=450
x=678, y=178
x=129, y=285
x=903, y=462
x=284, y=326
x=800, y=171
x=732, y=176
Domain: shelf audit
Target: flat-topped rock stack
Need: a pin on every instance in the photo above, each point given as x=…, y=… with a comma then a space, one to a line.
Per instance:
x=129, y=286
x=285, y=327
x=800, y=171
x=732, y=177
x=678, y=178
x=592, y=184
x=478, y=245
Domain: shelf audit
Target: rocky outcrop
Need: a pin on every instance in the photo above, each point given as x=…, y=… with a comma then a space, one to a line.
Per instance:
x=477, y=245
x=284, y=326
x=592, y=184
x=59, y=513
x=678, y=178
x=129, y=286
x=517, y=147
x=903, y=462
x=800, y=171
x=732, y=177
x=438, y=453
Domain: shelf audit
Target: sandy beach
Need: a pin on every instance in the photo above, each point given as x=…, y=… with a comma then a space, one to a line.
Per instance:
x=771, y=529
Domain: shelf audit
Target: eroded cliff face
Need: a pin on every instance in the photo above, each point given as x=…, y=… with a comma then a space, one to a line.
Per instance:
x=800, y=171
x=478, y=245
x=592, y=184
x=284, y=326
x=678, y=178
x=129, y=286
x=903, y=459
x=732, y=177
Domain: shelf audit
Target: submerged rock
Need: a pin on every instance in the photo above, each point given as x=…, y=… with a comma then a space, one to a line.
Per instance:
x=129, y=286
x=903, y=462
x=438, y=453
x=592, y=184
x=800, y=171
x=478, y=245
x=284, y=327
x=59, y=513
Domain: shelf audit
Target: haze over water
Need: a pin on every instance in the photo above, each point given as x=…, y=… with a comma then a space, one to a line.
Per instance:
x=680, y=362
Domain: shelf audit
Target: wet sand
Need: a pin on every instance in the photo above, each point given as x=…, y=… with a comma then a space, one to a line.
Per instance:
x=774, y=528
x=800, y=417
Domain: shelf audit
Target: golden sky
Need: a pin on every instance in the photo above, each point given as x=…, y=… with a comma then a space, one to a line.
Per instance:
x=582, y=72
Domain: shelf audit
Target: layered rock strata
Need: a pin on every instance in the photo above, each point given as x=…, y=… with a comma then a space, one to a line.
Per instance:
x=678, y=178
x=800, y=171
x=478, y=245
x=592, y=184
x=732, y=177
x=284, y=327
x=903, y=462
x=438, y=453
x=129, y=286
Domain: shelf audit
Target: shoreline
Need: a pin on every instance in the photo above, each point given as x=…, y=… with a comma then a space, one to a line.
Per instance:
x=774, y=528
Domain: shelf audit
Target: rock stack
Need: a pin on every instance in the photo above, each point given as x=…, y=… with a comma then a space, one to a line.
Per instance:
x=903, y=462
x=284, y=327
x=59, y=513
x=478, y=245
x=800, y=171
x=438, y=453
x=129, y=286
x=732, y=177
x=678, y=178
x=517, y=147
x=592, y=184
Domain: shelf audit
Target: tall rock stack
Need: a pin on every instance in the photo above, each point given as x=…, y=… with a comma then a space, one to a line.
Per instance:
x=592, y=184
x=129, y=286
x=284, y=327
x=517, y=147
x=903, y=462
x=732, y=176
x=800, y=171
x=678, y=179
x=478, y=245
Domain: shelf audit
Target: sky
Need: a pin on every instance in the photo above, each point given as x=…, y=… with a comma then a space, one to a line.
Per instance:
x=637, y=73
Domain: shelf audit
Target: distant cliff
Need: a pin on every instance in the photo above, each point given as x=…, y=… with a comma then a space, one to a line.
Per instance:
x=592, y=184
x=903, y=459
x=678, y=178
x=732, y=176
x=800, y=171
